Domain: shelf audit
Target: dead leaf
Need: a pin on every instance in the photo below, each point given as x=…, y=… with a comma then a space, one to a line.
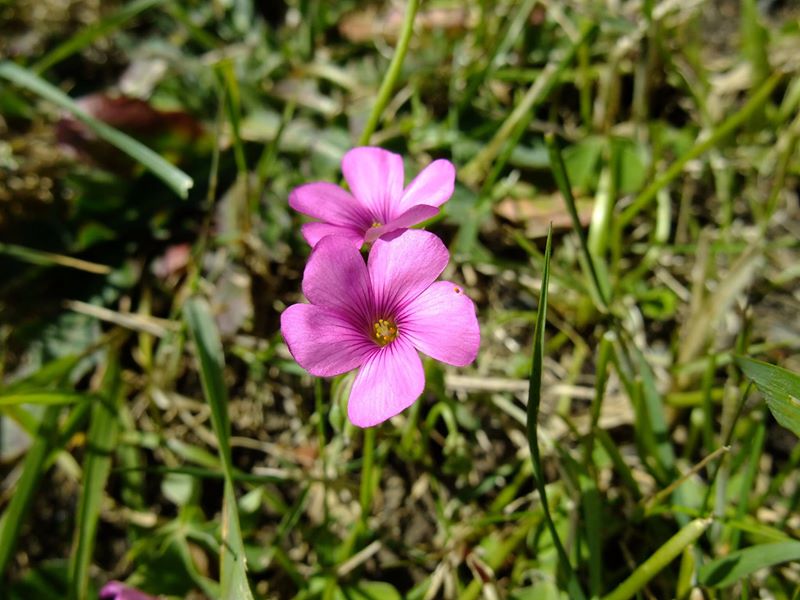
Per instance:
x=535, y=214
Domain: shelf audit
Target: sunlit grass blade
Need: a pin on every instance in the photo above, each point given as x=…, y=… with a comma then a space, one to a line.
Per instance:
x=392, y=74
x=534, y=400
x=780, y=387
x=211, y=362
x=729, y=569
x=39, y=257
x=179, y=181
x=233, y=576
x=48, y=398
x=88, y=35
x=659, y=560
x=101, y=441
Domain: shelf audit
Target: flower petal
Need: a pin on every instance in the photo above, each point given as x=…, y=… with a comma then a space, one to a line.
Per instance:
x=414, y=215
x=388, y=383
x=433, y=186
x=336, y=277
x=329, y=203
x=375, y=177
x=314, y=232
x=404, y=267
x=116, y=590
x=441, y=323
x=323, y=341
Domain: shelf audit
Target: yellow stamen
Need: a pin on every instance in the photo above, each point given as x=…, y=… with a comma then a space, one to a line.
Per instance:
x=384, y=331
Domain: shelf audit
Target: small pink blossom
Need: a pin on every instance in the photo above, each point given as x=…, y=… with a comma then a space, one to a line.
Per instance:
x=376, y=316
x=116, y=590
x=377, y=203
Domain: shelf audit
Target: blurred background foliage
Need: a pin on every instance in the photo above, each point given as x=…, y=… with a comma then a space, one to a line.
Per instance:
x=678, y=124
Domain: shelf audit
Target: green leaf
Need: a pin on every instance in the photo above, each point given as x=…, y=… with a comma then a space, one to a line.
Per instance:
x=100, y=445
x=542, y=590
x=179, y=181
x=729, y=569
x=780, y=387
x=211, y=363
x=47, y=398
x=534, y=400
x=581, y=159
x=233, y=568
x=368, y=590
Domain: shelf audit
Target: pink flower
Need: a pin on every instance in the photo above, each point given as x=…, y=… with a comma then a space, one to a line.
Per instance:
x=116, y=590
x=376, y=316
x=378, y=203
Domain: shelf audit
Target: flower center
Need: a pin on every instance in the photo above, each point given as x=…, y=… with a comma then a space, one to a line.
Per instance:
x=376, y=224
x=384, y=331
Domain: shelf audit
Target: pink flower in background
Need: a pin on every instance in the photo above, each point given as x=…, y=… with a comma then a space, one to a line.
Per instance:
x=376, y=316
x=116, y=590
x=377, y=202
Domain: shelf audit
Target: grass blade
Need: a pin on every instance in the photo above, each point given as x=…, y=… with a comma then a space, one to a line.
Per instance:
x=46, y=398
x=534, y=400
x=392, y=73
x=100, y=444
x=660, y=559
x=731, y=124
x=602, y=286
x=476, y=169
x=88, y=35
x=35, y=466
x=179, y=181
x=38, y=458
x=39, y=257
x=729, y=569
x=211, y=362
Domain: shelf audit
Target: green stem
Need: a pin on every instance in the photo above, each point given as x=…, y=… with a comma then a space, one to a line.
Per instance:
x=366, y=473
x=534, y=400
x=389, y=81
x=660, y=559
x=562, y=181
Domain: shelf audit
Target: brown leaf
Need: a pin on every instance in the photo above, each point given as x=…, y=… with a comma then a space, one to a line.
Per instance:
x=369, y=24
x=535, y=214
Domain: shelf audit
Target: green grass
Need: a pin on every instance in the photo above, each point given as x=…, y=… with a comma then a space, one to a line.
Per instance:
x=626, y=207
